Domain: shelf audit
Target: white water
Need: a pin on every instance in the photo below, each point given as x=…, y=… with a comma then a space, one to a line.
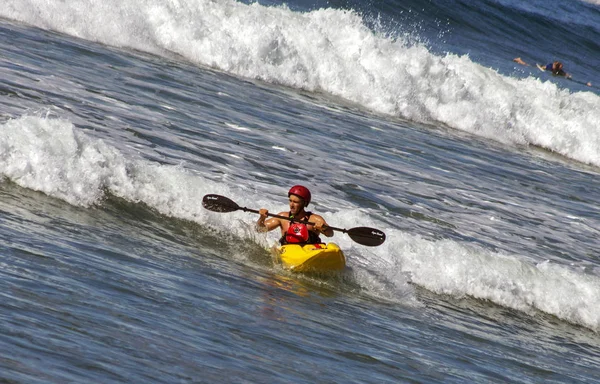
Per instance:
x=52, y=156
x=333, y=51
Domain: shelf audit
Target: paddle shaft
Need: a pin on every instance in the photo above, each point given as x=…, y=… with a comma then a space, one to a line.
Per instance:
x=363, y=235
x=291, y=219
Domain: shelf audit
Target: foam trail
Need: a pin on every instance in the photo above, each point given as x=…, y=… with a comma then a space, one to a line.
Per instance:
x=448, y=267
x=51, y=156
x=334, y=51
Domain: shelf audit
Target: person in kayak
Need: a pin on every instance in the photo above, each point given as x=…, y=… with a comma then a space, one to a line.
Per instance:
x=556, y=67
x=297, y=230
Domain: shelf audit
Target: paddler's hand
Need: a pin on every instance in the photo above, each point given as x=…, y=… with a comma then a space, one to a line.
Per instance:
x=323, y=228
x=260, y=223
x=318, y=226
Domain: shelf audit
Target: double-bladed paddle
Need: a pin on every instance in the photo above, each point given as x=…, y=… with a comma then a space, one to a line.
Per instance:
x=363, y=235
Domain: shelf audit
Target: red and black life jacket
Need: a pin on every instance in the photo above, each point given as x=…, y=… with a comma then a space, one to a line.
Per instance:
x=298, y=232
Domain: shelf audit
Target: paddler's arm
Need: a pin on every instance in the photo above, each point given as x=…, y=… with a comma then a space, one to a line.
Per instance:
x=264, y=225
x=519, y=61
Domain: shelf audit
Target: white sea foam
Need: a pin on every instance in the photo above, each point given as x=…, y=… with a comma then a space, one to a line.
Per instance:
x=52, y=156
x=334, y=51
x=458, y=269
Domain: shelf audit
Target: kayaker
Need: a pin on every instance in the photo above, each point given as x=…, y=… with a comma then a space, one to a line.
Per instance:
x=556, y=67
x=295, y=231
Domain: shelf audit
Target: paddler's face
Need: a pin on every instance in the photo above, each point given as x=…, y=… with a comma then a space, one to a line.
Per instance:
x=296, y=204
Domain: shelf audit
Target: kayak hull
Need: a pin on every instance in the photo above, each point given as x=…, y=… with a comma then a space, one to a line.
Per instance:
x=311, y=257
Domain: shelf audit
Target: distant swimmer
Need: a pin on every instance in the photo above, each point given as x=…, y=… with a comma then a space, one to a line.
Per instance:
x=556, y=67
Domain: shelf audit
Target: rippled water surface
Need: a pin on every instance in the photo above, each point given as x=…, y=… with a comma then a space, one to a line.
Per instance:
x=111, y=270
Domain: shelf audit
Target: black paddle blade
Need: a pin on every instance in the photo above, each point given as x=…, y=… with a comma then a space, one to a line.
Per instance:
x=367, y=236
x=218, y=203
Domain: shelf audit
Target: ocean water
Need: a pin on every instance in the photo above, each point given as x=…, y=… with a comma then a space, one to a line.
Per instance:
x=116, y=118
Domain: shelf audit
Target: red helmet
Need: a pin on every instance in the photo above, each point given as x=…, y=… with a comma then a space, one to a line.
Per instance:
x=301, y=192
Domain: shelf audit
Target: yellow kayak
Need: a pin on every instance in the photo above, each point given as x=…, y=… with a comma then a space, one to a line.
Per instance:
x=311, y=257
